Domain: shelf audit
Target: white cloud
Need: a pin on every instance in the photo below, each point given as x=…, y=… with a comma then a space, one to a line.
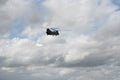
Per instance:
x=82, y=14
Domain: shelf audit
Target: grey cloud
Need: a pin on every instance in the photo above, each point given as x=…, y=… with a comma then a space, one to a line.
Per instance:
x=4, y=75
x=97, y=73
x=2, y=2
x=111, y=29
x=2, y=61
x=42, y=60
x=95, y=60
x=92, y=60
x=5, y=20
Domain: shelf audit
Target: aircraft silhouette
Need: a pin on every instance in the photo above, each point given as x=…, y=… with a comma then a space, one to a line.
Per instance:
x=52, y=31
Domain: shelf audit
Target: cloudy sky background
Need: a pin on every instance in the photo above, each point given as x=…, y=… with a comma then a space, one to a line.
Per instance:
x=88, y=47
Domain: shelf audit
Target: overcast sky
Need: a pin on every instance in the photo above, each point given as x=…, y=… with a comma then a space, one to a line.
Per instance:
x=88, y=47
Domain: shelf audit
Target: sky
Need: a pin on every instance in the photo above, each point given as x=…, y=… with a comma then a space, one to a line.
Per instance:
x=88, y=47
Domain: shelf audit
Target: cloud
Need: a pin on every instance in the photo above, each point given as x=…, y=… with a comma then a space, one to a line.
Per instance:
x=88, y=50
x=81, y=53
x=26, y=11
x=85, y=15
x=111, y=28
x=9, y=11
x=5, y=20
x=64, y=16
x=2, y=2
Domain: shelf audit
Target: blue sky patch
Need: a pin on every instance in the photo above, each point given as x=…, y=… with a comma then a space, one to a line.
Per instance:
x=38, y=1
x=116, y=2
x=18, y=26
